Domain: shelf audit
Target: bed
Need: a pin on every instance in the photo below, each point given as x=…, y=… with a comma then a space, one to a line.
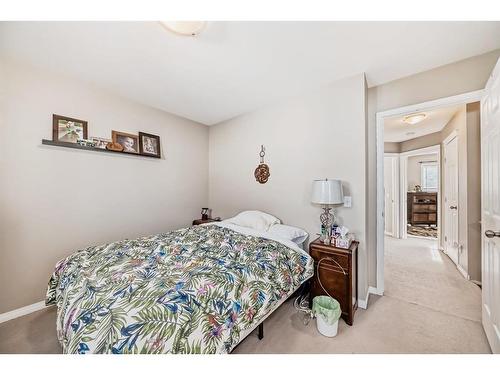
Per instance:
x=201, y=289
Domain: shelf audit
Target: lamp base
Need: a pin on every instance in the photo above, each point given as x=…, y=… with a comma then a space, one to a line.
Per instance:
x=326, y=219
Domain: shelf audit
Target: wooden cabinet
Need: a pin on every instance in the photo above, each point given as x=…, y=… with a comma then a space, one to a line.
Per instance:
x=338, y=274
x=422, y=208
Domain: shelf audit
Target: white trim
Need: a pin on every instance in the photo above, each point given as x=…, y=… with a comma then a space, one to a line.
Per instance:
x=373, y=290
x=9, y=315
x=468, y=97
x=380, y=200
x=463, y=272
x=363, y=303
x=421, y=151
x=450, y=137
x=422, y=238
x=395, y=192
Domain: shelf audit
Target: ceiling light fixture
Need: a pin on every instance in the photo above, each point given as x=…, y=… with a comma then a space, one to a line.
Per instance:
x=187, y=28
x=414, y=118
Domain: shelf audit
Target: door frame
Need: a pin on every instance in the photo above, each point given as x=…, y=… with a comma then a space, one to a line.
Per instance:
x=403, y=213
x=465, y=98
x=395, y=191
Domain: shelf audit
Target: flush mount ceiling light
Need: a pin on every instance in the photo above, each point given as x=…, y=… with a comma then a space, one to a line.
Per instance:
x=414, y=118
x=188, y=28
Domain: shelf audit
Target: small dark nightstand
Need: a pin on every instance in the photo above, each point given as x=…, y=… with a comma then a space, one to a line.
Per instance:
x=204, y=221
x=338, y=276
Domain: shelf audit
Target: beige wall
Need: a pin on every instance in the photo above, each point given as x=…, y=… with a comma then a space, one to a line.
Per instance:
x=317, y=135
x=421, y=142
x=392, y=147
x=453, y=79
x=54, y=201
x=414, y=143
x=414, y=172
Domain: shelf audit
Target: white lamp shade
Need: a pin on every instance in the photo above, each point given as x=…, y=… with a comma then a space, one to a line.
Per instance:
x=327, y=192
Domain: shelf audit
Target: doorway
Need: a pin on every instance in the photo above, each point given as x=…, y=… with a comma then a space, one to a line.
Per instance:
x=420, y=193
x=381, y=204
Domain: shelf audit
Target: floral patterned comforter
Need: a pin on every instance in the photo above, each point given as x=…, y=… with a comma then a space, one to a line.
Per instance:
x=194, y=290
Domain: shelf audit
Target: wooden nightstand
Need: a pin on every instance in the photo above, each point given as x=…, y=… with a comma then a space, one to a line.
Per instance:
x=339, y=275
x=204, y=221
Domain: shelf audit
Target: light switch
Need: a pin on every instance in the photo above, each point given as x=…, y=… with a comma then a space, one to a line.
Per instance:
x=347, y=201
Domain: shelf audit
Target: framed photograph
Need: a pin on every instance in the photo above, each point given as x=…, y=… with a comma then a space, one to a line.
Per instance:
x=100, y=142
x=129, y=142
x=67, y=129
x=149, y=144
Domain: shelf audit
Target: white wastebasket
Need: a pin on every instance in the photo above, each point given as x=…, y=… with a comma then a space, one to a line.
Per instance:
x=326, y=329
x=327, y=312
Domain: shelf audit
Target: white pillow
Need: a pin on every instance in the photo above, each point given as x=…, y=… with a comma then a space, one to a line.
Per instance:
x=254, y=219
x=293, y=234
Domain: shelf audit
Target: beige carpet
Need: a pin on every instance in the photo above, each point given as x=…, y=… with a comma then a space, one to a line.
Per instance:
x=428, y=308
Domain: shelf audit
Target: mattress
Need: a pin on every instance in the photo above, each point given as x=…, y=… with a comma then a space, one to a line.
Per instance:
x=195, y=290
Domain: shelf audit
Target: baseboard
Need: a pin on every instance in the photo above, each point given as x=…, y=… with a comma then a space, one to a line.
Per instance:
x=421, y=237
x=9, y=315
x=363, y=303
x=463, y=272
x=373, y=290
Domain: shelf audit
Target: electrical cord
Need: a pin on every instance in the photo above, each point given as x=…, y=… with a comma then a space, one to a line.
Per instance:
x=301, y=303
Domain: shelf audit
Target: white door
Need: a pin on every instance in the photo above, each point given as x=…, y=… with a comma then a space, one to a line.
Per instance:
x=390, y=170
x=450, y=206
x=490, y=211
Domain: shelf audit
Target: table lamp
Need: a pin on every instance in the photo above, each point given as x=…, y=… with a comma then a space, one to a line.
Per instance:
x=327, y=193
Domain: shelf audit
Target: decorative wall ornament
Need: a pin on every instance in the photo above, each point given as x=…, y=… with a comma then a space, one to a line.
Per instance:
x=262, y=173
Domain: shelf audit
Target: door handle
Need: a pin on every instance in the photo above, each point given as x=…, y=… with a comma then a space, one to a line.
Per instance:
x=491, y=233
x=453, y=207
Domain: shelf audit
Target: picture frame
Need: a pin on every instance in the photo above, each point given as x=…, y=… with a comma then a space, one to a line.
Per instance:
x=129, y=142
x=68, y=129
x=149, y=144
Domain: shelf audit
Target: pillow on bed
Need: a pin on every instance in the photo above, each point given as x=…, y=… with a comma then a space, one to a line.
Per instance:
x=254, y=219
x=293, y=234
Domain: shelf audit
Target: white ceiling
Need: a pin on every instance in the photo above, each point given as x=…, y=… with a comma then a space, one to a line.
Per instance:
x=236, y=67
x=395, y=130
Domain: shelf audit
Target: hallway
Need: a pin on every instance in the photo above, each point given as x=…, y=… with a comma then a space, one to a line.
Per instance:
x=416, y=272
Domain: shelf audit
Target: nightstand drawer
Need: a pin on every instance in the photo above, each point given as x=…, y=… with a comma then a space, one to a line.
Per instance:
x=342, y=260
